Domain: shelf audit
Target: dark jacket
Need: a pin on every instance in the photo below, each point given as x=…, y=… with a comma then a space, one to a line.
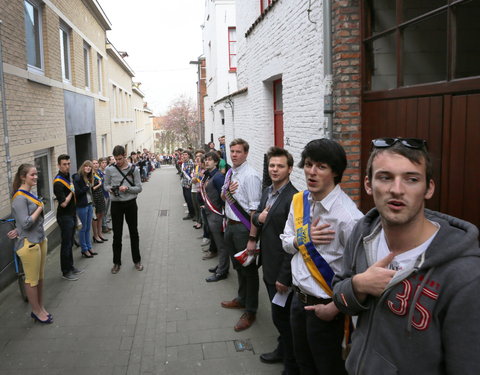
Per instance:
x=81, y=189
x=61, y=192
x=426, y=321
x=275, y=261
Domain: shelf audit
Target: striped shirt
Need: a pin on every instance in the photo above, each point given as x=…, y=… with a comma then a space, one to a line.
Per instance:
x=336, y=209
x=249, y=189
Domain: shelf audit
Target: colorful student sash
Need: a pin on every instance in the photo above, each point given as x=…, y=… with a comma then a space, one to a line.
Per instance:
x=207, y=200
x=65, y=182
x=97, y=177
x=238, y=210
x=29, y=196
x=316, y=264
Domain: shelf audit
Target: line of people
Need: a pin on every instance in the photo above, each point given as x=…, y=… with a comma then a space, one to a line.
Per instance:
x=93, y=190
x=408, y=273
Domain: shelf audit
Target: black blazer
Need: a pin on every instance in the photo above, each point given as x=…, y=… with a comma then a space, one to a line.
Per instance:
x=275, y=261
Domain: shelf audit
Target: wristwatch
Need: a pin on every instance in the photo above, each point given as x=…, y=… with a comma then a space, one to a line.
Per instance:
x=252, y=238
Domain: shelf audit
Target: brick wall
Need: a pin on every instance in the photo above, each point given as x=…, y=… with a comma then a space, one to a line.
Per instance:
x=346, y=88
x=283, y=44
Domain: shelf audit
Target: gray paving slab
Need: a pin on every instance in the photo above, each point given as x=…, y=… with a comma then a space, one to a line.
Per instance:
x=164, y=320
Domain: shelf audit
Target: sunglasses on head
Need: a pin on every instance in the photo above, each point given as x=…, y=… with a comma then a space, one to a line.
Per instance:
x=415, y=143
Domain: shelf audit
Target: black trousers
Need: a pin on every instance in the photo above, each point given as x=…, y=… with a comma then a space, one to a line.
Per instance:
x=281, y=320
x=187, y=195
x=67, y=229
x=317, y=343
x=236, y=238
x=129, y=210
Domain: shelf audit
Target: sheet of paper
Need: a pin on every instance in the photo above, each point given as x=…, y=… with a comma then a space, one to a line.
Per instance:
x=280, y=299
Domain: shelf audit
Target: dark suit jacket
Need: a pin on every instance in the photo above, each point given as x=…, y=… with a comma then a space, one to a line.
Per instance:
x=275, y=261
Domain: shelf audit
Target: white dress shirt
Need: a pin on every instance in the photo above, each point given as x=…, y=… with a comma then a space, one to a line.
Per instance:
x=249, y=189
x=336, y=209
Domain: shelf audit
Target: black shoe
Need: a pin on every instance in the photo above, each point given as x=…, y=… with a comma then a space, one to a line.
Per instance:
x=272, y=357
x=216, y=277
x=188, y=217
x=97, y=241
x=213, y=269
x=85, y=255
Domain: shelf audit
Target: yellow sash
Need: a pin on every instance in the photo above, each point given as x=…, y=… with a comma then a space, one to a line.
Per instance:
x=29, y=196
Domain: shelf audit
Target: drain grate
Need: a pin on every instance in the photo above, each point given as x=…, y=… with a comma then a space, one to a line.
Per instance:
x=163, y=213
x=243, y=345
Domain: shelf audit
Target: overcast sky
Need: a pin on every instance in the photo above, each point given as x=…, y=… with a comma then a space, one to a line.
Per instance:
x=161, y=38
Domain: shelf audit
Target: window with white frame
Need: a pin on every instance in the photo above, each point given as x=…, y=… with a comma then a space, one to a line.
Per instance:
x=232, y=49
x=33, y=35
x=104, y=145
x=65, y=52
x=42, y=162
x=86, y=64
x=100, y=73
x=115, y=101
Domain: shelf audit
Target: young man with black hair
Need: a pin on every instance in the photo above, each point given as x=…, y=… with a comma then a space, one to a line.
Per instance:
x=66, y=216
x=410, y=274
x=319, y=224
x=123, y=182
x=270, y=218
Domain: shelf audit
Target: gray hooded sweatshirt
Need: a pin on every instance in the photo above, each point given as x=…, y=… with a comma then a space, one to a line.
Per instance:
x=428, y=319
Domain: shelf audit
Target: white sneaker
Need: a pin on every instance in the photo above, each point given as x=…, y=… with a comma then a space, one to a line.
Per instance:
x=184, y=205
x=205, y=241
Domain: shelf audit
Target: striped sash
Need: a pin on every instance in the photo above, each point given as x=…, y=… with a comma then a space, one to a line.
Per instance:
x=29, y=196
x=237, y=209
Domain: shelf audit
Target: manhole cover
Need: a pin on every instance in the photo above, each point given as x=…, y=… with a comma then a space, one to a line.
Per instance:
x=243, y=345
x=163, y=213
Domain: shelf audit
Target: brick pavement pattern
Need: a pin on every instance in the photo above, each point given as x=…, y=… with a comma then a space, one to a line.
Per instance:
x=164, y=320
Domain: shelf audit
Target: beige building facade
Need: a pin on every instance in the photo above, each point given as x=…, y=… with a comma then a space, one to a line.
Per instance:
x=58, y=72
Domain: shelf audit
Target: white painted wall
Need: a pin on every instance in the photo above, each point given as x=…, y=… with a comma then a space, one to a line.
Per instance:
x=284, y=44
x=219, y=16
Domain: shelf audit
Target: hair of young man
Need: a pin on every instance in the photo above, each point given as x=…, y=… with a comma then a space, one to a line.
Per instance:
x=188, y=152
x=277, y=151
x=118, y=150
x=199, y=152
x=214, y=156
x=416, y=156
x=326, y=151
x=101, y=160
x=21, y=173
x=242, y=142
x=62, y=157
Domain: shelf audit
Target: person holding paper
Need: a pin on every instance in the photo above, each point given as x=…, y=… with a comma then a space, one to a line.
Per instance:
x=270, y=218
x=319, y=224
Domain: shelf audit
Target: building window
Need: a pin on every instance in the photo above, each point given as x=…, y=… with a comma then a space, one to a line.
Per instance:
x=278, y=112
x=232, y=49
x=104, y=145
x=33, y=35
x=86, y=64
x=42, y=162
x=222, y=116
x=264, y=5
x=410, y=43
x=100, y=73
x=115, y=101
x=65, y=52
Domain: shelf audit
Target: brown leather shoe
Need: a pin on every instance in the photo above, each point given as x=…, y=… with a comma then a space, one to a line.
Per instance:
x=245, y=321
x=233, y=304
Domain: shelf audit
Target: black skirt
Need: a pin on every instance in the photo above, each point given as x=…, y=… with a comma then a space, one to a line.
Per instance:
x=99, y=200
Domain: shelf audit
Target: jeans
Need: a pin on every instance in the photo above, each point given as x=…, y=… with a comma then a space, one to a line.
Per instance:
x=187, y=195
x=317, y=343
x=236, y=238
x=129, y=209
x=85, y=214
x=67, y=229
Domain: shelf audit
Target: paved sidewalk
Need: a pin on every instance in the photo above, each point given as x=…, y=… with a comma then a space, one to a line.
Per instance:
x=164, y=320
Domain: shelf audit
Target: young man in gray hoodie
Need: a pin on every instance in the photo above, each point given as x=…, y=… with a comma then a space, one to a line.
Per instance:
x=410, y=274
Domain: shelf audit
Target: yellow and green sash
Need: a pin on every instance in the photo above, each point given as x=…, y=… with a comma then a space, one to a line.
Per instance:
x=316, y=264
x=29, y=196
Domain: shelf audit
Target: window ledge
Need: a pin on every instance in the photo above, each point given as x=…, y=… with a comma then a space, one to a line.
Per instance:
x=260, y=18
x=39, y=78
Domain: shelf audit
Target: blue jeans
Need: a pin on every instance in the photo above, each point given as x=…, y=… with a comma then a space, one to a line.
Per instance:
x=85, y=214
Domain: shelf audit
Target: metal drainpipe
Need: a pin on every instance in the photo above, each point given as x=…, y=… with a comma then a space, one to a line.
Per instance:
x=4, y=113
x=327, y=53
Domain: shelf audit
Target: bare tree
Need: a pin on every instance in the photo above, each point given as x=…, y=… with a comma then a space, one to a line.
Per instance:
x=181, y=120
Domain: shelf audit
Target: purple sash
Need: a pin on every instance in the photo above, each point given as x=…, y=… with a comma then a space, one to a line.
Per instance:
x=234, y=205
